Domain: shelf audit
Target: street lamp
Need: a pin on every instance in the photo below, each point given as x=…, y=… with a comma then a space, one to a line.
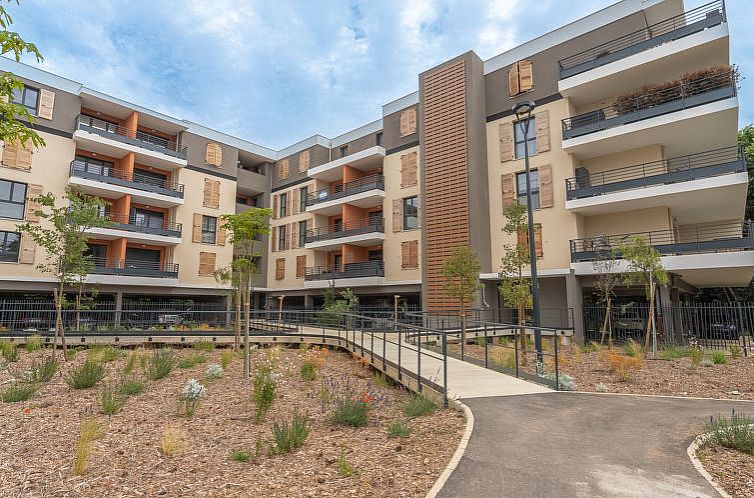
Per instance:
x=523, y=110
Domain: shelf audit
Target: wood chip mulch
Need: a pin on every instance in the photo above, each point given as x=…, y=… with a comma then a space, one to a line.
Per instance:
x=38, y=437
x=731, y=469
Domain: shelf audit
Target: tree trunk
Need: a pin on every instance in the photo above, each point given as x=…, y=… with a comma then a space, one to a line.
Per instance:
x=650, y=316
x=78, y=311
x=247, y=356
x=605, y=324
x=59, y=329
x=522, y=334
x=609, y=323
x=237, y=324
x=463, y=328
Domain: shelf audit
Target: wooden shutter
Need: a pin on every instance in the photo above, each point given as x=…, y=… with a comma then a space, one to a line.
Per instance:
x=207, y=263
x=214, y=154
x=27, y=250
x=397, y=215
x=289, y=203
x=222, y=233
x=288, y=233
x=274, y=239
x=508, y=187
x=211, y=193
x=513, y=82
x=506, y=142
x=410, y=254
x=279, y=268
x=275, y=207
x=10, y=154
x=545, y=186
x=303, y=161
x=300, y=266
x=542, y=121
x=412, y=120
x=408, y=121
x=23, y=157
x=196, y=228
x=525, y=76
x=46, y=103
x=283, y=169
x=294, y=235
x=33, y=192
x=408, y=170
x=523, y=239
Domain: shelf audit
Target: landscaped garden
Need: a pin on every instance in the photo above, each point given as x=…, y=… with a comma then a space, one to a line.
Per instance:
x=727, y=453
x=309, y=422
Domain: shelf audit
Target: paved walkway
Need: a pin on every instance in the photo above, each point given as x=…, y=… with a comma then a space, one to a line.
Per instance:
x=584, y=445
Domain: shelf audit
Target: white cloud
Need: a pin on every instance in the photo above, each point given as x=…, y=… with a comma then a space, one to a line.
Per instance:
x=498, y=33
x=414, y=19
x=348, y=54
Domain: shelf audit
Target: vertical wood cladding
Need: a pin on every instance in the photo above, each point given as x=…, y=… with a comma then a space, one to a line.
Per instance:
x=445, y=174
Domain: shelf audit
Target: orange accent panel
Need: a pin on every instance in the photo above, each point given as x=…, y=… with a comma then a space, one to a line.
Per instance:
x=127, y=164
x=132, y=123
x=122, y=206
x=354, y=254
x=350, y=174
x=352, y=214
x=117, y=251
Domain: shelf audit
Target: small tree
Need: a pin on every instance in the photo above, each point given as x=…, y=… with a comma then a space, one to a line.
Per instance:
x=62, y=234
x=606, y=265
x=336, y=305
x=645, y=268
x=244, y=229
x=515, y=288
x=461, y=273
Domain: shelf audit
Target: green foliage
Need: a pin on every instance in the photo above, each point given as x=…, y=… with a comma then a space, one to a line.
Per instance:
x=70, y=353
x=696, y=356
x=18, y=392
x=9, y=350
x=746, y=140
x=264, y=388
x=130, y=386
x=192, y=360
x=675, y=352
x=104, y=354
x=308, y=371
x=345, y=469
x=161, y=364
x=735, y=351
x=381, y=380
x=111, y=400
x=350, y=410
x=86, y=375
x=290, y=435
x=461, y=275
x=240, y=456
x=34, y=343
x=90, y=430
x=207, y=346
x=419, y=405
x=130, y=365
x=719, y=358
x=706, y=362
x=43, y=371
x=735, y=432
x=643, y=263
x=479, y=341
x=398, y=428
x=226, y=358
x=514, y=288
x=334, y=309
x=632, y=348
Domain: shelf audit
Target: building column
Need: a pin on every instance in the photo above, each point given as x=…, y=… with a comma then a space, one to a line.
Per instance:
x=308, y=301
x=118, y=307
x=574, y=302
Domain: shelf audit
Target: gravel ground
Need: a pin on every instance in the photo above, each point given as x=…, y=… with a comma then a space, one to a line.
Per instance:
x=39, y=437
x=731, y=469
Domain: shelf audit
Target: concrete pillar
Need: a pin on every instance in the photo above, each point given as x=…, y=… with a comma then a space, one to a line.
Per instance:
x=118, y=307
x=229, y=311
x=308, y=301
x=574, y=301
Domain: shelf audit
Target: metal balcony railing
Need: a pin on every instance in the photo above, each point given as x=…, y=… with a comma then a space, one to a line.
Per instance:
x=152, y=226
x=724, y=237
x=132, y=267
x=666, y=171
x=349, y=270
x=133, y=137
x=670, y=29
x=134, y=180
x=370, y=182
x=368, y=225
x=684, y=95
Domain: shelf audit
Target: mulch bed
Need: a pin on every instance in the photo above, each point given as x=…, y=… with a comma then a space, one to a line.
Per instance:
x=731, y=469
x=39, y=436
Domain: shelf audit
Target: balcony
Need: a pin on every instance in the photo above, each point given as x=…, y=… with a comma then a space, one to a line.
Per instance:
x=365, y=160
x=364, y=192
x=109, y=182
x=350, y=270
x=134, y=268
x=700, y=110
x=103, y=137
x=149, y=231
x=366, y=232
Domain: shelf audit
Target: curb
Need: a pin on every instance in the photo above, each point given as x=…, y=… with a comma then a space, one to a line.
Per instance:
x=458, y=454
x=691, y=451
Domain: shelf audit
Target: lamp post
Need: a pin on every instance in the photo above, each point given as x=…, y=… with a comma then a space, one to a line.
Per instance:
x=523, y=110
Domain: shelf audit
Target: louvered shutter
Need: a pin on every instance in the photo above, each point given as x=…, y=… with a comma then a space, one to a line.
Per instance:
x=509, y=193
x=274, y=239
x=216, y=194
x=513, y=81
x=283, y=169
x=408, y=121
x=300, y=266
x=288, y=232
x=542, y=121
x=404, y=170
x=303, y=161
x=397, y=215
x=196, y=228
x=289, y=203
x=408, y=169
x=214, y=154
x=545, y=186
x=523, y=239
x=207, y=199
x=222, y=233
x=538, y=239
x=24, y=156
x=415, y=254
x=46, y=104
x=404, y=123
x=412, y=120
x=27, y=250
x=294, y=235
x=275, y=207
x=410, y=254
x=404, y=255
x=207, y=263
x=33, y=192
x=280, y=269
x=525, y=76
x=506, y=142
x=412, y=168
x=10, y=154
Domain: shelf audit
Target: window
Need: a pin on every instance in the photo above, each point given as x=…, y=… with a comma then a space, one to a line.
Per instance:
x=281, y=237
x=10, y=243
x=283, y=205
x=150, y=178
x=301, y=233
x=98, y=253
x=12, y=199
x=518, y=136
x=303, y=195
x=343, y=150
x=94, y=166
x=149, y=219
x=521, y=188
x=243, y=200
x=337, y=262
x=378, y=139
x=209, y=229
x=27, y=97
x=410, y=213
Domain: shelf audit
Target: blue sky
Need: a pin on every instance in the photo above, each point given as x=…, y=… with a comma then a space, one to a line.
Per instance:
x=274, y=72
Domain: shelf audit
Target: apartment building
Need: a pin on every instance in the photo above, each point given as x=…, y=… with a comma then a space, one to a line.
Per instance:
x=634, y=132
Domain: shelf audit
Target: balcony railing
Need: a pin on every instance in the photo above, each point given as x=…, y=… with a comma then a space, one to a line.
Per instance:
x=671, y=29
x=124, y=179
x=369, y=225
x=349, y=270
x=370, y=182
x=684, y=95
x=151, y=226
x=136, y=268
x=683, y=240
x=678, y=169
x=129, y=136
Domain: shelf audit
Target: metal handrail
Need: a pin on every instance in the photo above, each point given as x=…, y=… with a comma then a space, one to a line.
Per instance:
x=77, y=167
x=135, y=264
x=343, y=230
x=361, y=268
x=374, y=180
x=138, y=135
x=660, y=32
x=124, y=219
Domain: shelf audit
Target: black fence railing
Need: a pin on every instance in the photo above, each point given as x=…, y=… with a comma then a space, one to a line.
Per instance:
x=133, y=137
x=673, y=28
x=348, y=229
x=135, y=223
x=666, y=171
x=348, y=270
x=134, y=180
x=370, y=182
x=684, y=95
x=134, y=267
x=723, y=237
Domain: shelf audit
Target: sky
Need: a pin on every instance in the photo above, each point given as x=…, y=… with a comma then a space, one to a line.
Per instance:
x=277, y=71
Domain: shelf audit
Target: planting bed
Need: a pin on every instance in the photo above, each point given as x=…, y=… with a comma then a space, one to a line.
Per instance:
x=731, y=469
x=39, y=436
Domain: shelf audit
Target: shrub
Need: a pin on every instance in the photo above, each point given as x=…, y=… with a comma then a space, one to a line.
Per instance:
x=103, y=354
x=735, y=351
x=18, y=392
x=601, y=388
x=419, y=405
x=565, y=381
x=308, y=371
x=9, y=351
x=161, y=364
x=90, y=430
x=207, y=346
x=289, y=436
x=696, y=356
x=226, y=358
x=43, y=371
x=398, y=428
x=503, y=341
x=214, y=371
x=192, y=394
x=719, y=358
x=240, y=456
x=130, y=386
x=34, y=343
x=110, y=401
x=85, y=376
x=622, y=367
x=70, y=353
x=172, y=441
x=504, y=358
x=708, y=363
x=345, y=469
x=479, y=341
x=350, y=410
x=192, y=360
x=130, y=365
x=735, y=432
x=264, y=391
x=675, y=352
x=632, y=349
x=381, y=380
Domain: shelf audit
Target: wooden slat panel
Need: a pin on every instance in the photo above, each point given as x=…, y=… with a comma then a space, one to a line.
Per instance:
x=207, y=263
x=542, y=122
x=196, y=228
x=545, y=186
x=279, y=268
